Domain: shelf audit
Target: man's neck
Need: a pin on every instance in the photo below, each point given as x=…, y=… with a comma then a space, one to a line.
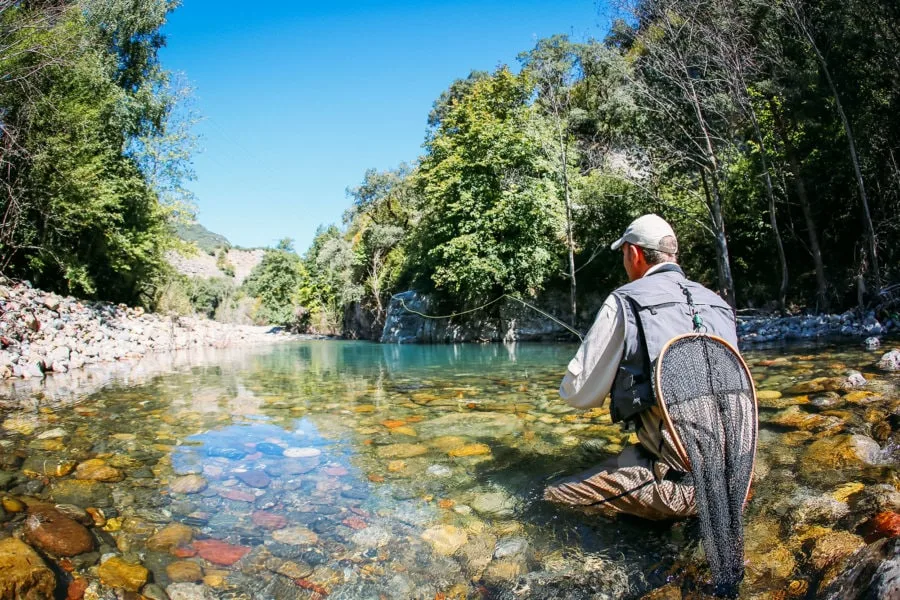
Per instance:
x=657, y=267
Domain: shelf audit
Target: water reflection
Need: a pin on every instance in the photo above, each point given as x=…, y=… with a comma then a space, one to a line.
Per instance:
x=361, y=470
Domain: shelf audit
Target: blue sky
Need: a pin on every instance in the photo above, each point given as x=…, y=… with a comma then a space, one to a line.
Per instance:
x=298, y=99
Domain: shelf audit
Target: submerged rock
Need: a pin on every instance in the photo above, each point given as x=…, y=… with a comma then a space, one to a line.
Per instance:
x=219, y=552
x=445, y=539
x=842, y=451
x=188, y=484
x=482, y=424
x=23, y=575
x=55, y=533
x=189, y=591
x=117, y=572
x=184, y=571
x=169, y=537
x=493, y=504
x=890, y=361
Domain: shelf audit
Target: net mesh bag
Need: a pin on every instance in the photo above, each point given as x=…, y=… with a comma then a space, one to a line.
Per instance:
x=706, y=392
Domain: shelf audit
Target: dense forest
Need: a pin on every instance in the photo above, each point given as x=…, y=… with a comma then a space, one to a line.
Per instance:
x=766, y=132
x=94, y=147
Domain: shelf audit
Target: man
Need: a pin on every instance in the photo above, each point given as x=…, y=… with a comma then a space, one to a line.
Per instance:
x=648, y=479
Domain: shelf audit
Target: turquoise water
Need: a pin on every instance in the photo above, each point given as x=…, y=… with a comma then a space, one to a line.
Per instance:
x=357, y=470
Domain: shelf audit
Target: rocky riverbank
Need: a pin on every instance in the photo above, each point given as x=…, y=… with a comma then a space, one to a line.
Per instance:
x=511, y=321
x=767, y=329
x=43, y=333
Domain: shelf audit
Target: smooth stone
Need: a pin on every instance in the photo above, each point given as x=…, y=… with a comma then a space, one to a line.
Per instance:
x=254, y=478
x=21, y=425
x=50, y=434
x=184, y=570
x=13, y=505
x=268, y=520
x=24, y=573
x=154, y=591
x=75, y=512
x=445, y=539
x=401, y=451
x=229, y=453
x=841, y=451
x=54, y=533
x=295, y=536
x=370, y=537
x=188, y=484
x=219, y=552
x=489, y=425
x=118, y=573
x=439, y=471
x=503, y=572
x=820, y=384
x=826, y=400
x=170, y=536
x=508, y=547
x=39, y=466
x=189, y=591
x=890, y=361
x=294, y=452
x=81, y=493
x=294, y=570
x=493, y=504
x=97, y=470
x=270, y=449
x=470, y=450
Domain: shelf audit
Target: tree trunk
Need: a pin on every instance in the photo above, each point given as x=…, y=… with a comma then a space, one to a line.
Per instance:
x=864, y=200
x=723, y=263
x=770, y=194
x=815, y=250
x=567, y=199
x=714, y=197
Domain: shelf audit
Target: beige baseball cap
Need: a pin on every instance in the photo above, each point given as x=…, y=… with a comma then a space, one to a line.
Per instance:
x=648, y=232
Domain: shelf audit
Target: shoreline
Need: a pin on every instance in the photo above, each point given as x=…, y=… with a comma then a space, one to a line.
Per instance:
x=42, y=333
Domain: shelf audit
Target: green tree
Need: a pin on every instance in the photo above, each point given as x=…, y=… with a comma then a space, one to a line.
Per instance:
x=490, y=209
x=276, y=281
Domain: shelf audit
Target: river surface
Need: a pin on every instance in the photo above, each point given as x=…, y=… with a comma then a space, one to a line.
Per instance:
x=357, y=470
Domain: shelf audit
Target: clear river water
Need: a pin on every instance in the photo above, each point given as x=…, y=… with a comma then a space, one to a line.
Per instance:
x=358, y=470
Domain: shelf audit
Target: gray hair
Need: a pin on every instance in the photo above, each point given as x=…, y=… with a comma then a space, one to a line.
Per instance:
x=668, y=251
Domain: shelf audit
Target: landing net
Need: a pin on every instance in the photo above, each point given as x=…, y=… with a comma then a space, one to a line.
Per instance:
x=707, y=395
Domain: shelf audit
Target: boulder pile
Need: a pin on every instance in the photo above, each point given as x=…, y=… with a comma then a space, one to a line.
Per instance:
x=42, y=332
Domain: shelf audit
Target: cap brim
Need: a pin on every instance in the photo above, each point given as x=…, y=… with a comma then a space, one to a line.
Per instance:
x=617, y=244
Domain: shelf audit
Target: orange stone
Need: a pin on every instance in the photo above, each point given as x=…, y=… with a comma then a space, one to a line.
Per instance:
x=76, y=589
x=219, y=552
x=392, y=423
x=268, y=520
x=373, y=477
x=238, y=495
x=355, y=523
x=883, y=525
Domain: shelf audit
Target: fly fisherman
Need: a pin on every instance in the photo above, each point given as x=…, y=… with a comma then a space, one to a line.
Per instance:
x=648, y=479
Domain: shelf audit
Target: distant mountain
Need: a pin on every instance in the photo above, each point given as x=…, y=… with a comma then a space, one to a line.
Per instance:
x=205, y=239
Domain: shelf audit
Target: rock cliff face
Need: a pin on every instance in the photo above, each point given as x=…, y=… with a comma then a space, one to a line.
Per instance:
x=506, y=321
x=205, y=265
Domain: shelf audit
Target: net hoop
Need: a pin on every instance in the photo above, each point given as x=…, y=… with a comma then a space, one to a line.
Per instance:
x=667, y=419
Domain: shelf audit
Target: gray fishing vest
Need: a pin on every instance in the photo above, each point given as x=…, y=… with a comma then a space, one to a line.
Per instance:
x=655, y=310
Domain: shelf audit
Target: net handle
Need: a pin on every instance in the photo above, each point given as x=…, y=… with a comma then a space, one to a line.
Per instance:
x=676, y=439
